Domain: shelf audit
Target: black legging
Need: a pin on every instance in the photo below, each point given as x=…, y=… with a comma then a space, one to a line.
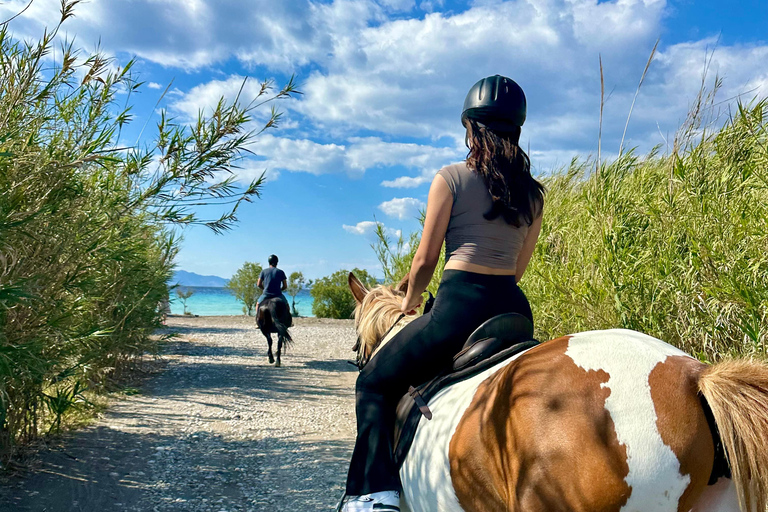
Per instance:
x=416, y=354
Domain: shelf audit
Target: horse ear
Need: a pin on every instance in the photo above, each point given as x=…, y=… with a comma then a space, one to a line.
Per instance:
x=402, y=286
x=358, y=290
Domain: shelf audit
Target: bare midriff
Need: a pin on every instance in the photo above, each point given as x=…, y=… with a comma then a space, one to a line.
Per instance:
x=478, y=269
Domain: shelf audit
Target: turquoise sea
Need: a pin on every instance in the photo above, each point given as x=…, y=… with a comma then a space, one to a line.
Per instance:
x=209, y=301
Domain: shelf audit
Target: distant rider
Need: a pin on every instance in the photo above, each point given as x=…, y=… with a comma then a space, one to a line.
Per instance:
x=273, y=281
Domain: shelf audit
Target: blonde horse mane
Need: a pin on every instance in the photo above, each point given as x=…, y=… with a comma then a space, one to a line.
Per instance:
x=374, y=316
x=737, y=393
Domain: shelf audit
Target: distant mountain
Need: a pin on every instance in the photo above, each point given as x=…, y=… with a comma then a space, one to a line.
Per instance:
x=185, y=278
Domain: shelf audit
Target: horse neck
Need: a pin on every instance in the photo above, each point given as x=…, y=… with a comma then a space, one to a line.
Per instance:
x=397, y=327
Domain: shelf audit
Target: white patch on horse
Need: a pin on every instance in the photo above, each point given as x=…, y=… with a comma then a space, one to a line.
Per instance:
x=629, y=357
x=426, y=472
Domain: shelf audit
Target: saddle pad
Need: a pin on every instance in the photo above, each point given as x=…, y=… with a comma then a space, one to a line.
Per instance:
x=408, y=414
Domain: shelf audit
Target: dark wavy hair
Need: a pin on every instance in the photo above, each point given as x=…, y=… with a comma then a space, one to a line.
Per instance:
x=506, y=169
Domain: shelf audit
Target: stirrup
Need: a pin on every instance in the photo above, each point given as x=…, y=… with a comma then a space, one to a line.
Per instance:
x=341, y=502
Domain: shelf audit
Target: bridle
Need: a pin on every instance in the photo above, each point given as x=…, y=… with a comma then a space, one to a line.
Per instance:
x=361, y=362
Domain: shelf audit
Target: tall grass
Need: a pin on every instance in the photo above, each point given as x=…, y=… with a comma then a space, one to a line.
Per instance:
x=86, y=248
x=675, y=246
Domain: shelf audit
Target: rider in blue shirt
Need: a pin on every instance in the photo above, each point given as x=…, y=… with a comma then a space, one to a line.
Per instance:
x=273, y=281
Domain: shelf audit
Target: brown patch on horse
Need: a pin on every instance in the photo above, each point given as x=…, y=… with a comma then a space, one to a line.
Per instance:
x=681, y=422
x=537, y=437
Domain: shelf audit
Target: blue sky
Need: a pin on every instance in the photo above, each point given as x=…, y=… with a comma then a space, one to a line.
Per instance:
x=383, y=84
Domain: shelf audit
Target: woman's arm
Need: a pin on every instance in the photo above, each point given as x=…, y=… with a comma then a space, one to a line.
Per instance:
x=528, y=245
x=439, y=205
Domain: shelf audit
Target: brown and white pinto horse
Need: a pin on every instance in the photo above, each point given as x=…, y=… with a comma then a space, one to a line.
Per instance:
x=600, y=421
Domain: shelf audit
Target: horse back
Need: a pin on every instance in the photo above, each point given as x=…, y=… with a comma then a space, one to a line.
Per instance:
x=600, y=421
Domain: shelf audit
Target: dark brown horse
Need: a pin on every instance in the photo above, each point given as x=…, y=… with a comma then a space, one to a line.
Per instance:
x=274, y=315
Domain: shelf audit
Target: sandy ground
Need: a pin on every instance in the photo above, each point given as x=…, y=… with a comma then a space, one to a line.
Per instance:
x=217, y=429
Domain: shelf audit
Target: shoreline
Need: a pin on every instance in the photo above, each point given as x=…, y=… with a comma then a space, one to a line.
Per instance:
x=241, y=319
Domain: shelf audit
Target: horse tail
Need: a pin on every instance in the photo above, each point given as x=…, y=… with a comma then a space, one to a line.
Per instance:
x=280, y=327
x=737, y=394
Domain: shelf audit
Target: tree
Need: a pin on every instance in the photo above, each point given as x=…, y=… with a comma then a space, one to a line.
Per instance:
x=184, y=294
x=296, y=284
x=243, y=285
x=332, y=296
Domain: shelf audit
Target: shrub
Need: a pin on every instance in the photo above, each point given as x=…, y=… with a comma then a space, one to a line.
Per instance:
x=184, y=294
x=296, y=283
x=332, y=296
x=244, y=285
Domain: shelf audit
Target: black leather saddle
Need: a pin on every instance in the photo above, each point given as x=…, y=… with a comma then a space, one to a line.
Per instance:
x=497, y=339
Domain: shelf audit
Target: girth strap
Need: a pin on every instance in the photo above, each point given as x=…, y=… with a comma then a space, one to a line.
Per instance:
x=420, y=403
x=720, y=467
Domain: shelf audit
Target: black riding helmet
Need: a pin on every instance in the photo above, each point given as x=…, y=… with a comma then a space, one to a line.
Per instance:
x=496, y=102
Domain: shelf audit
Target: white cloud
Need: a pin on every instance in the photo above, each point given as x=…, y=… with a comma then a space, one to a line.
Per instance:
x=197, y=33
x=381, y=68
x=301, y=155
x=205, y=96
x=367, y=228
x=402, y=207
x=407, y=181
x=416, y=71
x=154, y=85
x=399, y=5
x=353, y=158
x=408, y=77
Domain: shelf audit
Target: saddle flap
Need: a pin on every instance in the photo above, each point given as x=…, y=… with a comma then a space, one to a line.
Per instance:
x=511, y=328
x=408, y=411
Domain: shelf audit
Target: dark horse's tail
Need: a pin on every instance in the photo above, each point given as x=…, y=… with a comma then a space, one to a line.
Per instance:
x=277, y=311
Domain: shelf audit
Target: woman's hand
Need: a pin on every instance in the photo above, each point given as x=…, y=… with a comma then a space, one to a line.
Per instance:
x=410, y=303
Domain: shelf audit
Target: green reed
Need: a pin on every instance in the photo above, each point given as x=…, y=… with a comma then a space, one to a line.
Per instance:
x=674, y=246
x=86, y=239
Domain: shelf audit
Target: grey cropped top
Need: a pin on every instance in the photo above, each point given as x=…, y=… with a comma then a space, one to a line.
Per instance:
x=470, y=237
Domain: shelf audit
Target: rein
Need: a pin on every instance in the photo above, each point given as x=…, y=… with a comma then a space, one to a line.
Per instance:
x=359, y=363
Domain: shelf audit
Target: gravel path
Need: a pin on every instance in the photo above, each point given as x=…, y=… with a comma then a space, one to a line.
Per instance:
x=218, y=430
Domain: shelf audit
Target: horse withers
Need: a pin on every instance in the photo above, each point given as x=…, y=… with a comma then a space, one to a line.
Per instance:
x=274, y=316
x=606, y=421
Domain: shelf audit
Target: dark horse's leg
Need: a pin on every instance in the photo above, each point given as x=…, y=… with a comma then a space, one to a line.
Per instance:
x=269, y=350
x=264, y=323
x=279, y=349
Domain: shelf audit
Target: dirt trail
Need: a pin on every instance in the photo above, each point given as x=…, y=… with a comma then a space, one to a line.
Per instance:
x=218, y=430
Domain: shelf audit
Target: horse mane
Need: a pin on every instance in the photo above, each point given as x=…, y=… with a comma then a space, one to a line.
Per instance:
x=375, y=315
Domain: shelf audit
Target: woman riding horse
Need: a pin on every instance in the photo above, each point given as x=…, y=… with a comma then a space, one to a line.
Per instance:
x=488, y=210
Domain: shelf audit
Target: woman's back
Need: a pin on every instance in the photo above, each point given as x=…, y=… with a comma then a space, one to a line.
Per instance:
x=470, y=237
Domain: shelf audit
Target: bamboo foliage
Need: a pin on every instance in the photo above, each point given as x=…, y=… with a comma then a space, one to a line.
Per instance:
x=86, y=224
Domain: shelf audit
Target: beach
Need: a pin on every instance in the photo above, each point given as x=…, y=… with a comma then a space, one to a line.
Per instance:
x=212, y=427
